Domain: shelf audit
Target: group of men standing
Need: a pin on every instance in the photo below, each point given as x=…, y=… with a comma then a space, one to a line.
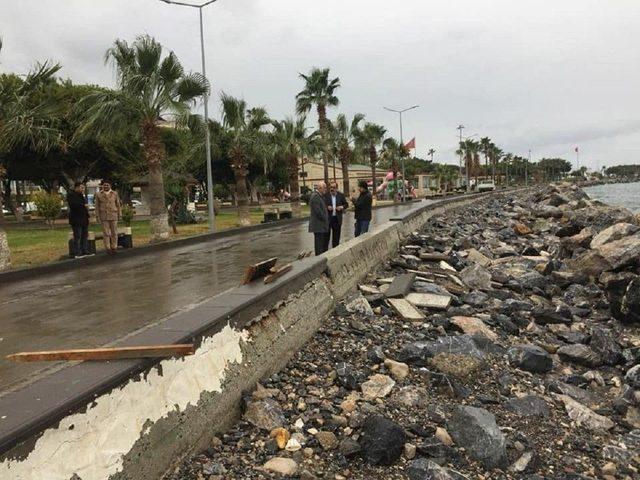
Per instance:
x=108, y=210
x=326, y=213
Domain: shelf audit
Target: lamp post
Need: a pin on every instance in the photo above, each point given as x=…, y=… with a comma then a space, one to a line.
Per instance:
x=210, y=199
x=460, y=128
x=526, y=170
x=400, y=112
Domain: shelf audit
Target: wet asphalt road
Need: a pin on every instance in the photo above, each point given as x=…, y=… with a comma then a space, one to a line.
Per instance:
x=96, y=305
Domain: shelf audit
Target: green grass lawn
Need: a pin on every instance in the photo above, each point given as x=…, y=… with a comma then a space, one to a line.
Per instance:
x=38, y=244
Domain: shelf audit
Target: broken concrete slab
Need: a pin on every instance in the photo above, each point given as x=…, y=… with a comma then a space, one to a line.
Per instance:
x=401, y=285
x=429, y=300
x=406, y=310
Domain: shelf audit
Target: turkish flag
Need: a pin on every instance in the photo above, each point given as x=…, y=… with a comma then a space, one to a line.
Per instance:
x=411, y=144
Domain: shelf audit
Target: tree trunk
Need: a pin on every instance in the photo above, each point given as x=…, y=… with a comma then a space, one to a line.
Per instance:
x=344, y=162
x=294, y=186
x=5, y=253
x=322, y=121
x=154, y=153
x=242, y=195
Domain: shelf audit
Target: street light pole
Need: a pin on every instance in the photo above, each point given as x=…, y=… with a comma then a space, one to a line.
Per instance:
x=404, y=179
x=210, y=199
x=460, y=128
x=526, y=170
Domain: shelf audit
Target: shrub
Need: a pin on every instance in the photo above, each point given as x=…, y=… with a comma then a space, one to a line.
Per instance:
x=48, y=205
x=127, y=215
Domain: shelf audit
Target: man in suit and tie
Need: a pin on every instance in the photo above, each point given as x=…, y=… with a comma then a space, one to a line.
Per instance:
x=336, y=205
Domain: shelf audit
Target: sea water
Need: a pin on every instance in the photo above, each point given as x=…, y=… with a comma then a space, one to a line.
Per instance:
x=617, y=194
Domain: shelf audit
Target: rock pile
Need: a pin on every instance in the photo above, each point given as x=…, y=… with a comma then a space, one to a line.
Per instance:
x=508, y=348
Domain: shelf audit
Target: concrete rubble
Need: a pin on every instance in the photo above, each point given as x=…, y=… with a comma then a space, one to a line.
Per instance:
x=529, y=369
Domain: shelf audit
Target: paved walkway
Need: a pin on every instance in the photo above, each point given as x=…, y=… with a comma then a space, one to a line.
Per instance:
x=95, y=305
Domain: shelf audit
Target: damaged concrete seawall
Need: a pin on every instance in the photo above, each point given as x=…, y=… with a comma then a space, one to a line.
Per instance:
x=135, y=419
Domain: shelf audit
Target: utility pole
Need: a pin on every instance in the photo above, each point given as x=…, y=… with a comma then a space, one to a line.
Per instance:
x=210, y=199
x=404, y=179
x=526, y=170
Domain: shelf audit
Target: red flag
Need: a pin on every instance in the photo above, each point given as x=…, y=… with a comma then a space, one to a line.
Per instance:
x=411, y=144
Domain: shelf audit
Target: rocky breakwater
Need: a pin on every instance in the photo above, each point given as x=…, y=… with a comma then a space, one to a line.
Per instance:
x=501, y=342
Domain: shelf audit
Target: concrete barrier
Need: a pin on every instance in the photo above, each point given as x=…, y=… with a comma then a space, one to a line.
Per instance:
x=132, y=419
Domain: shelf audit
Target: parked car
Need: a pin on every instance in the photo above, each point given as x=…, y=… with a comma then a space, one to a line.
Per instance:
x=486, y=185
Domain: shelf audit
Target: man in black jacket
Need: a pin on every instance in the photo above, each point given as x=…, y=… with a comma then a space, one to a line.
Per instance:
x=362, y=206
x=336, y=205
x=319, y=219
x=79, y=219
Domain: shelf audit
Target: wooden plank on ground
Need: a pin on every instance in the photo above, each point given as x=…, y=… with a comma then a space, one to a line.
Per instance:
x=434, y=257
x=429, y=300
x=277, y=273
x=110, y=353
x=401, y=285
x=260, y=269
x=405, y=309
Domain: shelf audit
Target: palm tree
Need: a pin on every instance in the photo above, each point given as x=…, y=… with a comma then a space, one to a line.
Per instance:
x=25, y=119
x=149, y=88
x=430, y=153
x=247, y=142
x=485, y=148
x=319, y=90
x=291, y=142
x=369, y=139
x=469, y=150
x=345, y=134
x=495, y=154
x=445, y=175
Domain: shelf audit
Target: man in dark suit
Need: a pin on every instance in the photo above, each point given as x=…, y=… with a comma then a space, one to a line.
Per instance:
x=336, y=205
x=79, y=219
x=319, y=219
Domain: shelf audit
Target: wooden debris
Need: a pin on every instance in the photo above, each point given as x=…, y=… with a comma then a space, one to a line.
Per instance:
x=277, y=273
x=110, y=353
x=369, y=289
x=401, y=285
x=253, y=272
x=405, y=309
x=408, y=256
x=382, y=281
x=429, y=300
x=445, y=266
x=434, y=257
x=304, y=254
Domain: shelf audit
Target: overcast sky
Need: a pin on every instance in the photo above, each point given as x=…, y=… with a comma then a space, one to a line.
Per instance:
x=544, y=75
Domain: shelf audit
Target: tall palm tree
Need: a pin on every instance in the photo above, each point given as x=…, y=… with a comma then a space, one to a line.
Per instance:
x=346, y=133
x=445, y=175
x=430, y=153
x=319, y=91
x=25, y=119
x=495, y=154
x=485, y=148
x=291, y=143
x=150, y=87
x=470, y=148
x=369, y=139
x=247, y=142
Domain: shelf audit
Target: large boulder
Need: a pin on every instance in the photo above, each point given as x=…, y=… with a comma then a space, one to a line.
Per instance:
x=424, y=469
x=630, y=305
x=604, y=344
x=476, y=277
x=475, y=429
x=615, y=285
x=382, y=441
x=419, y=352
x=580, y=354
x=530, y=358
x=614, y=232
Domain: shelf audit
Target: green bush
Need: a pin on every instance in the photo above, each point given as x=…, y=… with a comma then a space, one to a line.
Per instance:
x=127, y=215
x=48, y=206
